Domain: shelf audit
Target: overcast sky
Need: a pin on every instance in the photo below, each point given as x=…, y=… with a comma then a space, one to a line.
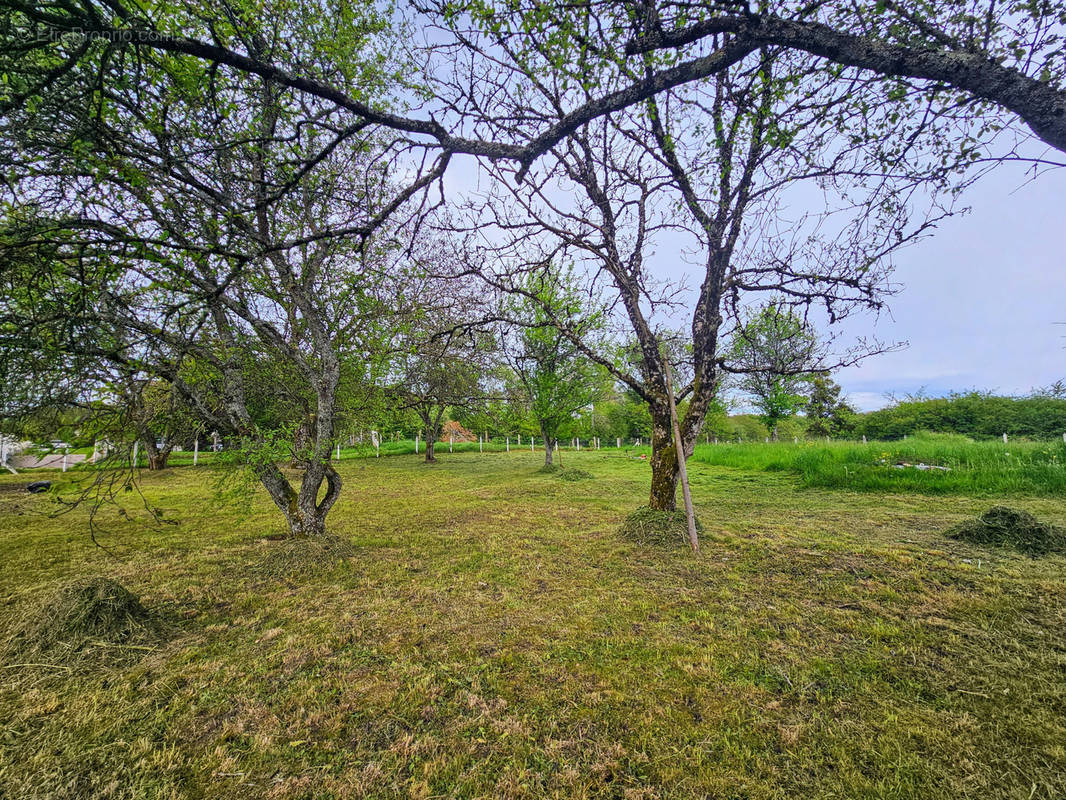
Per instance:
x=981, y=300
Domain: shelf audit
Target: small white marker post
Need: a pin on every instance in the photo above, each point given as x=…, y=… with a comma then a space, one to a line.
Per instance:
x=1064, y=437
x=864, y=438
x=618, y=441
x=578, y=440
x=135, y=443
x=508, y=444
x=1004, y=438
x=196, y=450
x=533, y=439
x=416, y=443
x=480, y=445
x=64, y=462
x=451, y=441
x=716, y=440
x=338, y=451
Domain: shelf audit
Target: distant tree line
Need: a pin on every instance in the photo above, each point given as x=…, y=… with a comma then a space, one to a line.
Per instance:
x=977, y=414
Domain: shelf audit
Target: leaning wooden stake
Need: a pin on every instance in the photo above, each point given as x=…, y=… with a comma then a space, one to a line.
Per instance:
x=690, y=515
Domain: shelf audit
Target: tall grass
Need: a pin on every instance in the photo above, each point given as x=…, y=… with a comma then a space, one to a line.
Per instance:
x=978, y=468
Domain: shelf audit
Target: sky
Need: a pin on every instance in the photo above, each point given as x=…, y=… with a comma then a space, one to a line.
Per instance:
x=983, y=301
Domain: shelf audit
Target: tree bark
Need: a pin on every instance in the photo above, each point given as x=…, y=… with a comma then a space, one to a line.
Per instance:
x=549, y=445
x=1041, y=105
x=157, y=456
x=664, y=468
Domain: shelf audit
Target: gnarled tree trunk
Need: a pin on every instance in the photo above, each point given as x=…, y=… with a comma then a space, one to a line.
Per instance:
x=549, y=445
x=304, y=512
x=664, y=468
x=157, y=456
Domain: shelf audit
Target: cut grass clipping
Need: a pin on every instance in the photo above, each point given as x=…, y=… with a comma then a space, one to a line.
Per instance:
x=571, y=474
x=78, y=618
x=649, y=526
x=1008, y=527
x=304, y=557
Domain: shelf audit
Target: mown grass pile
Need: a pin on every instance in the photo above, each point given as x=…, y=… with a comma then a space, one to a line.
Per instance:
x=75, y=617
x=575, y=474
x=292, y=557
x=651, y=526
x=964, y=466
x=495, y=637
x=1008, y=527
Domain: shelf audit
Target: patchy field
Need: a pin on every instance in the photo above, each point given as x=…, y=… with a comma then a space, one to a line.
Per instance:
x=495, y=637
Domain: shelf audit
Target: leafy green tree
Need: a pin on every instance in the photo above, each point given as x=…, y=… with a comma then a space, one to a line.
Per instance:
x=223, y=223
x=558, y=378
x=827, y=413
x=775, y=351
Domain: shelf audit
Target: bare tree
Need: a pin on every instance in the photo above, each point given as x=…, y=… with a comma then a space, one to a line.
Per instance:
x=444, y=353
x=718, y=165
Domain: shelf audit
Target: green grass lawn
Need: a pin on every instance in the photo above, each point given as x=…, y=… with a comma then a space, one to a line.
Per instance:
x=988, y=468
x=495, y=637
